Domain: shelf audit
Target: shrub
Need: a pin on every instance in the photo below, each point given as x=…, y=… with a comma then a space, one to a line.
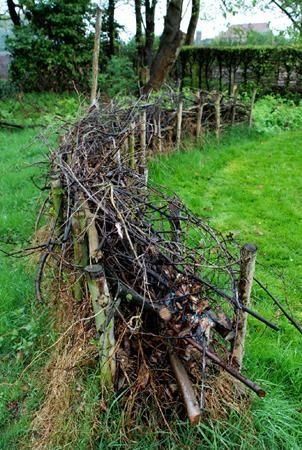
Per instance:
x=52, y=49
x=119, y=77
x=273, y=113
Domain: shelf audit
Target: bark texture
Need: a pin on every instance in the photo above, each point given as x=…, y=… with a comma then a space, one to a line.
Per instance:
x=169, y=47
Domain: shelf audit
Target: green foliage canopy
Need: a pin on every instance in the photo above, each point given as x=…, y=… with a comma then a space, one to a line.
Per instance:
x=51, y=49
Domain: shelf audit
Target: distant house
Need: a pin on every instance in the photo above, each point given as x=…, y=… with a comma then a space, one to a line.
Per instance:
x=5, y=30
x=238, y=33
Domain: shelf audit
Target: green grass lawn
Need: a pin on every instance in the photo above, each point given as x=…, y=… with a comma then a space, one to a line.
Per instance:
x=249, y=185
x=21, y=321
x=252, y=187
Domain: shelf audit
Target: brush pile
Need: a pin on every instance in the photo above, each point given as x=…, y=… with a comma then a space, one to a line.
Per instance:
x=164, y=287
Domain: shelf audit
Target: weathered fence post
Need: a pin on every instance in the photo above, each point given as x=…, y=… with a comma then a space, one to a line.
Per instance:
x=179, y=123
x=160, y=146
x=80, y=252
x=217, y=115
x=56, y=195
x=252, y=107
x=247, y=269
x=101, y=302
x=132, y=146
x=234, y=97
x=199, y=116
x=143, y=147
x=96, y=54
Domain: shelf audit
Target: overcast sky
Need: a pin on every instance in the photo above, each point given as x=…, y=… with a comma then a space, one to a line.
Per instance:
x=211, y=20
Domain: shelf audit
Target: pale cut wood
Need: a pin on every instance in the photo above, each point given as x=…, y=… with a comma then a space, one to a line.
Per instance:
x=186, y=389
x=132, y=146
x=247, y=269
x=179, y=123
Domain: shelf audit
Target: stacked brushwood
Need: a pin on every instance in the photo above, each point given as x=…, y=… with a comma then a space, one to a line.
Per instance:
x=165, y=288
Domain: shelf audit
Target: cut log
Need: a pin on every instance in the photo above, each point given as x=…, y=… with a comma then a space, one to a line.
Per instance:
x=186, y=389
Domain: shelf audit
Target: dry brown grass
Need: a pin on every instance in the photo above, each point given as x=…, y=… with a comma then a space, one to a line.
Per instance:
x=62, y=375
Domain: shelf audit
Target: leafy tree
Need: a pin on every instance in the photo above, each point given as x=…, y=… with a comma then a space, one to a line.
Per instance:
x=51, y=45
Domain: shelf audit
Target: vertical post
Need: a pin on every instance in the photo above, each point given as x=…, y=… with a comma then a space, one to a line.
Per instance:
x=80, y=253
x=234, y=98
x=199, y=116
x=143, y=159
x=101, y=302
x=56, y=196
x=252, y=107
x=247, y=269
x=160, y=145
x=132, y=146
x=217, y=115
x=96, y=54
x=179, y=122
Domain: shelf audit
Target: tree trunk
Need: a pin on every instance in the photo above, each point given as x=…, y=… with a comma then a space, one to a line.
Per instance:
x=149, y=40
x=111, y=26
x=139, y=38
x=169, y=47
x=12, y=9
x=193, y=22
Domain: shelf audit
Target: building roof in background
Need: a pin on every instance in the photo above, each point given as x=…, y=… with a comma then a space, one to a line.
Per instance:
x=261, y=27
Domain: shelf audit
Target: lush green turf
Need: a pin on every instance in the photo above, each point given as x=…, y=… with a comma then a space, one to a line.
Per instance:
x=20, y=325
x=251, y=186
x=248, y=185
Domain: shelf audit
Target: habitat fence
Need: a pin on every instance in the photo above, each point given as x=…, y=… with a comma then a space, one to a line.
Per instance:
x=169, y=295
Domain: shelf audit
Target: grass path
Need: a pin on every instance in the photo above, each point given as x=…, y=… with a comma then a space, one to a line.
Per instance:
x=253, y=188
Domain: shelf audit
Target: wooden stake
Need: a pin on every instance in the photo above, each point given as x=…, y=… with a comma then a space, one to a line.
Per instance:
x=247, y=269
x=217, y=115
x=252, y=108
x=132, y=146
x=57, y=196
x=186, y=389
x=96, y=55
x=179, y=122
x=143, y=159
x=199, y=117
x=101, y=302
x=234, y=95
x=80, y=252
x=160, y=146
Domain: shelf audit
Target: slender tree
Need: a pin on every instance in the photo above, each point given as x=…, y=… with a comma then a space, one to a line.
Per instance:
x=193, y=22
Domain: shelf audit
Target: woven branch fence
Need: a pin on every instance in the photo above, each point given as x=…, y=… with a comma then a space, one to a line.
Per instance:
x=169, y=294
